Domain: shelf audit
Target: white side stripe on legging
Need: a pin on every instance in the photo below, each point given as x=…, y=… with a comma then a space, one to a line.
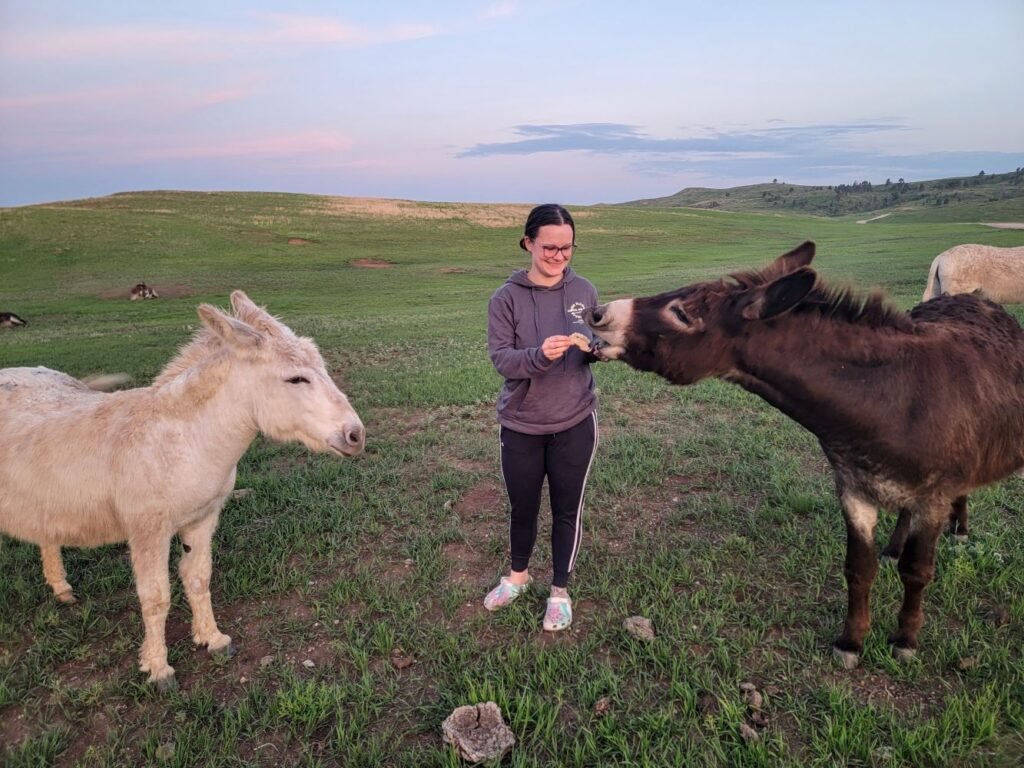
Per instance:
x=579, y=507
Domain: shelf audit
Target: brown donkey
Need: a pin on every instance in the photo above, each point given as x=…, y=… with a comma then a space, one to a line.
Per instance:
x=913, y=410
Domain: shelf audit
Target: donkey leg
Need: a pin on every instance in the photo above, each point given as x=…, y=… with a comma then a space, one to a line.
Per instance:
x=917, y=569
x=894, y=548
x=958, y=519
x=152, y=581
x=195, y=568
x=53, y=570
x=860, y=570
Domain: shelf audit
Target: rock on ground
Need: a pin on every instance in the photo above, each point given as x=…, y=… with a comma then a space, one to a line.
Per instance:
x=478, y=732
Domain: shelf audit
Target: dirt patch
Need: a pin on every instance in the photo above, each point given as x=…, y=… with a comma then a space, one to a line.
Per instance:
x=299, y=241
x=1003, y=224
x=371, y=263
x=482, y=214
x=451, y=270
x=874, y=218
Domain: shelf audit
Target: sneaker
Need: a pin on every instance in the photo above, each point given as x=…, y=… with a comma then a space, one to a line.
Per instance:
x=504, y=593
x=558, y=615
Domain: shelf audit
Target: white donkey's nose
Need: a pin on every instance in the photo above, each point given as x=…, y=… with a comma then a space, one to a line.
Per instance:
x=349, y=440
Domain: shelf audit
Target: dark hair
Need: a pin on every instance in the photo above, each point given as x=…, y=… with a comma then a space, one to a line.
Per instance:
x=542, y=216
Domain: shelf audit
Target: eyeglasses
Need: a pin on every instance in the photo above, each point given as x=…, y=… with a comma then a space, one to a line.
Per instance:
x=565, y=250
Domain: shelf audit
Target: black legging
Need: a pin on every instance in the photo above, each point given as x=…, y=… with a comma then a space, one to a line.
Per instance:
x=565, y=458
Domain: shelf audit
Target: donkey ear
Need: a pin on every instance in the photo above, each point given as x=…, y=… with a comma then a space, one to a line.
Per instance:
x=780, y=296
x=799, y=257
x=248, y=312
x=228, y=329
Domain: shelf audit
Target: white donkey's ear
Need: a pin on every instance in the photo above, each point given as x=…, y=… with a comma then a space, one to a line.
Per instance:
x=246, y=311
x=229, y=329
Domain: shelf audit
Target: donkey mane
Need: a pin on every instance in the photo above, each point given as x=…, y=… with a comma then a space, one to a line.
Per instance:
x=837, y=302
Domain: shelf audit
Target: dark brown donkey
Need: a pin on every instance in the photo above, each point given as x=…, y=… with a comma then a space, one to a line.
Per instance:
x=913, y=410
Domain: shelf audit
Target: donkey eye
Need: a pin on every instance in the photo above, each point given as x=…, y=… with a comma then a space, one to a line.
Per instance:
x=298, y=380
x=680, y=314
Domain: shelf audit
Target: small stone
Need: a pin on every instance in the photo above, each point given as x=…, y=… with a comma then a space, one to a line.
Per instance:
x=748, y=733
x=448, y=506
x=266, y=661
x=478, y=732
x=409, y=562
x=602, y=706
x=639, y=627
x=309, y=663
x=243, y=680
x=759, y=718
x=748, y=687
x=400, y=659
x=240, y=493
x=968, y=662
x=754, y=700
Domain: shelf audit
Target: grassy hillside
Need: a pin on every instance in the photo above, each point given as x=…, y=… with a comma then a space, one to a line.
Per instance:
x=985, y=197
x=707, y=512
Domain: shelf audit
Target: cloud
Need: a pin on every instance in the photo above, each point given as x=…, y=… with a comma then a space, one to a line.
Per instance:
x=499, y=9
x=618, y=138
x=309, y=149
x=815, y=154
x=192, y=43
x=310, y=30
x=159, y=98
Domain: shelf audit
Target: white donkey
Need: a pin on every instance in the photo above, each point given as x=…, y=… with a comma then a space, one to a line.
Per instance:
x=84, y=468
x=998, y=273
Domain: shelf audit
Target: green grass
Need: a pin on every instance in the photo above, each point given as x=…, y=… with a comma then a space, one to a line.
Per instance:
x=708, y=512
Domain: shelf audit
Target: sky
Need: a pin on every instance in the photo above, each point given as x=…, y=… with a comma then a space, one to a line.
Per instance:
x=573, y=101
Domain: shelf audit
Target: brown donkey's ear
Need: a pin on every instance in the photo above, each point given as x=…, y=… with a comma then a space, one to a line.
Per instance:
x=799, y=257
x=780, y=296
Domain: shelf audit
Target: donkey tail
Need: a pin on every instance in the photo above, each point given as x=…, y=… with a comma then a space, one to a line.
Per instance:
x=933, y=288
x=105, y=382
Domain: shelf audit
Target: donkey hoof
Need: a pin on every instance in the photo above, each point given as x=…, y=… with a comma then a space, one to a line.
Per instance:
x=67, y=597
x=225, y=651
x=960, y=538
x=903, y=654
x=846, y=659
x=166, y=683
x=888, y=558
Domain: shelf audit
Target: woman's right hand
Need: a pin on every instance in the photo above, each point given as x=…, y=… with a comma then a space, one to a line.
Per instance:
x=554, y=346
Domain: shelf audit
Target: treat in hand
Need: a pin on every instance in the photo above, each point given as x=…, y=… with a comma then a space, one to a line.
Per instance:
x=580, y=341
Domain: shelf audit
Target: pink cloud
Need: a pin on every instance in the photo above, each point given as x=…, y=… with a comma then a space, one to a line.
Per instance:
x=289, y=28
x=199, y=43
x=280, y=146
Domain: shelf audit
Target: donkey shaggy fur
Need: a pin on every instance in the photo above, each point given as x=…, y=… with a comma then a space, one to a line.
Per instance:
x=913, y=410
x=72, y=459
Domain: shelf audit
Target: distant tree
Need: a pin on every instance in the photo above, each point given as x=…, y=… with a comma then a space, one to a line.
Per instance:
x=900, y=181
x=982, y=173
x=775, y=181
x=888, y=182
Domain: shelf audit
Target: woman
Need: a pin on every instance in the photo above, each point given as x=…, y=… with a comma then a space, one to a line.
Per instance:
x=547, y=406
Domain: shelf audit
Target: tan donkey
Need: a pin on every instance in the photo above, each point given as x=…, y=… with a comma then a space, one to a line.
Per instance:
x=72, y=459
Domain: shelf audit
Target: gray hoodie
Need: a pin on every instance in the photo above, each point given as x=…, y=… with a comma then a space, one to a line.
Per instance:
x=541, y=396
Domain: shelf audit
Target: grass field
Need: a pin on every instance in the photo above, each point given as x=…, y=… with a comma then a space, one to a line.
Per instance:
x=708, y=512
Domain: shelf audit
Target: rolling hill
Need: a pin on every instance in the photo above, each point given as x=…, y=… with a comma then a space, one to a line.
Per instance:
x=998, y=193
